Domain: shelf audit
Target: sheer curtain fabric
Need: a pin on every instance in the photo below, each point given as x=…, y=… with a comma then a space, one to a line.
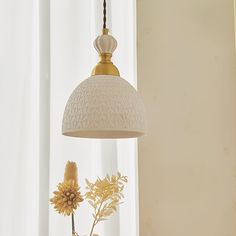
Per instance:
x=46, y=51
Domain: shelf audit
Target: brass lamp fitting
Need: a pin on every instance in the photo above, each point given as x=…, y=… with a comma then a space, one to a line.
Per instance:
x=105, y=46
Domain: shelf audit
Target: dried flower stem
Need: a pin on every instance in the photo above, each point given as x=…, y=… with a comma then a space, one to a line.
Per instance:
x=73, y=224
x=91, y=233
x=96, y=219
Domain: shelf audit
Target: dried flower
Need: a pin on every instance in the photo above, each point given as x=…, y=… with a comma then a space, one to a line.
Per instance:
x=71, y=172
x=104, y=196
x=67, y=198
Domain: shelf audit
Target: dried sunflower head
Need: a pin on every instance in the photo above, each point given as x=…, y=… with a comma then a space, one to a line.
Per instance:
x=67, y=198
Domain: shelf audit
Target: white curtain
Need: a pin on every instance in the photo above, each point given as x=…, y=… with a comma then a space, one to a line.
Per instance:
x=46, y=51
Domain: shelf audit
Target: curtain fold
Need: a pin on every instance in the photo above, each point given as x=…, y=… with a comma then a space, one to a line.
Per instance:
x=19, y=101
x=44, y=113
x=46, y=51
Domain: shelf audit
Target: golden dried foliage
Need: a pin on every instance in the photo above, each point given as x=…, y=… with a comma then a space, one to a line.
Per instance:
x=67, y=198
x=104, y=196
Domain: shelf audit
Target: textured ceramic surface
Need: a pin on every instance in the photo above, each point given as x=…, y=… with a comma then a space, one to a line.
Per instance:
x=104, y=106
x=105, y=44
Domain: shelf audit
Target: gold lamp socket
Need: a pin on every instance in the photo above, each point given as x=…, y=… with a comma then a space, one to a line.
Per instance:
x=105, y=66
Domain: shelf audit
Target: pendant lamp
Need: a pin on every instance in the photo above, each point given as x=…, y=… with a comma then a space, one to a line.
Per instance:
x=104, y=105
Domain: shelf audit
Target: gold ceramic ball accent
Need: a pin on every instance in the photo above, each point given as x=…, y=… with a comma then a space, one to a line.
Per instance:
x=105, y=45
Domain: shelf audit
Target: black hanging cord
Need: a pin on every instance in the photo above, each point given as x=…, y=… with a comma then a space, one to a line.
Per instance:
x=104, y=14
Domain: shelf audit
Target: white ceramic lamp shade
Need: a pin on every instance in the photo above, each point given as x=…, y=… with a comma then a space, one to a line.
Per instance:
x=104, y=106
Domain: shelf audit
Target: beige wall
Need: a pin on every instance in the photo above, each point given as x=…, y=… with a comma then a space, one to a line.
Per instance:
x=187, y=76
